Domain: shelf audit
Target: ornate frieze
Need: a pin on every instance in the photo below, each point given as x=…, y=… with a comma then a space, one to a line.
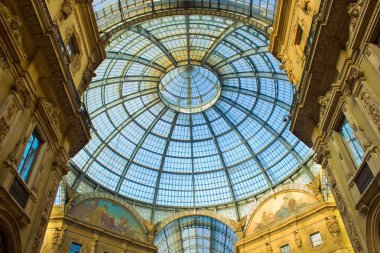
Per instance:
x=14, y=26
x=49, y=201
x=7, y=116
x=20, y=88
x=287, y=66
x=332, y=225
x=354, y=10
x=371, y=107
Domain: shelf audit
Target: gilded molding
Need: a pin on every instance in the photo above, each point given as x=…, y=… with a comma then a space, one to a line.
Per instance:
x=287, y=66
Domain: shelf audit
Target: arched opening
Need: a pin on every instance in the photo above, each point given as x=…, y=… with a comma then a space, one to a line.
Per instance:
x=196, y=234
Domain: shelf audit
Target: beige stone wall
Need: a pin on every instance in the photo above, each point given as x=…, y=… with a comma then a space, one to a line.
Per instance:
x=37, y=94
x=340, y=80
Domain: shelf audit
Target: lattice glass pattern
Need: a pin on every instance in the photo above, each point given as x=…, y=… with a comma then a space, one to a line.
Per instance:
x=195, y=234
x=146, y=151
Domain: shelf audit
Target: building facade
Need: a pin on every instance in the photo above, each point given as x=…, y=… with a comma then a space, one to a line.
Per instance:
x=48, y=52
x=196, y=168
x=337, y=104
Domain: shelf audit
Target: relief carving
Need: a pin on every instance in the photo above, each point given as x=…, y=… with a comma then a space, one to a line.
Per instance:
x=304, y=5
x=14, y=24
x=3, y=63
x=240, y=226
x=321, y=154
x=67, y=8
x=53, y=112
x=152, y=229
x=287, y=66
x=324, y=101
x=7, y=119
x=315, y=186
x=354, y=10
x=354, y=75
x=372, y=108
x=269, y=247
x=298, y=239
x=58, y=238
x=21, y=89
x=346, y=216
x=88, y=74
x=332, y=225
x=39, y=234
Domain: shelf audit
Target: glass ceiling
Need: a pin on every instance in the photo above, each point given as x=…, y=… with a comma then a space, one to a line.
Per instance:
x=189, y=89
x=111, y=13
x=196, y=234
x=145, y=150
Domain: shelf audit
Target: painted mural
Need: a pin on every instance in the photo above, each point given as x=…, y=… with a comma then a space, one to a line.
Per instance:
x=107, y=215
x=275, y=210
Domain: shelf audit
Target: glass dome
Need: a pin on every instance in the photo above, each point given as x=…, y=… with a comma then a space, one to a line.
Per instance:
x=146, y=150
x=189, y=89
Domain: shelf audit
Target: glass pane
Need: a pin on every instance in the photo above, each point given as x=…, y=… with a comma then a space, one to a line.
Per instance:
x=28, y=156
x=352, y=143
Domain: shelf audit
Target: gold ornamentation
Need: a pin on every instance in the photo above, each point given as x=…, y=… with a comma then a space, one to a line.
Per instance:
x=315, y=186
x=58, y=238
x=304, y=5
x=298, y=239
x=88, y=74
x=45, y=215
x=372, y=108
x=67, y=8
x=287, y=66
x=354, y=75
x=14, y=24
x=346, y=216
x=21, y=88
x=269, y=247
x=332, y=225
x=324, y=101
x=6, y=120
x=152, y=229
x=354, y=10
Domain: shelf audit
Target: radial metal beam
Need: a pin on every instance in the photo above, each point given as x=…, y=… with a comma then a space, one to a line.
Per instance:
x=188, y=38
x=227, y=174
x=257, y=95
x=247, y=53
x=141, y=31
x=134, y=58
x=138, y=146
x=225, y=33
x=255, y=75
x=121, y=100
x=118, y=129
x=246, y=145
x=118, y=79
x=267, y=127
x=162, y=163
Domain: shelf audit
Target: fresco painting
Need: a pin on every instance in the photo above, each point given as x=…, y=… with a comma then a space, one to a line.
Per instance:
x=111, y=216
x=273, y=211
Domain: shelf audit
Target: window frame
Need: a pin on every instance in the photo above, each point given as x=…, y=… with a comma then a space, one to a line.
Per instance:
x=312, y=242
x=351, y=141
x=36, y=155
x=78, y=244
x=287, y=246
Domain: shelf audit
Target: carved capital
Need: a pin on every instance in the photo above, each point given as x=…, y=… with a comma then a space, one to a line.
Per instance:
x=304, y=5
x=353, y=76
x=321, y=154
x=67, y=8
x=20, y=88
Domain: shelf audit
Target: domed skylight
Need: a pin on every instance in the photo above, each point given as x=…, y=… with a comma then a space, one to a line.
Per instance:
x=188, y=112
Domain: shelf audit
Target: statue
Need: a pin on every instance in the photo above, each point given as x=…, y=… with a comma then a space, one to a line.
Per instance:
x=58, y=238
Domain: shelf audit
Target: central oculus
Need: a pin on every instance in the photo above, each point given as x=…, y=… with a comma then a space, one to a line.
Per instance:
x=189, y=89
